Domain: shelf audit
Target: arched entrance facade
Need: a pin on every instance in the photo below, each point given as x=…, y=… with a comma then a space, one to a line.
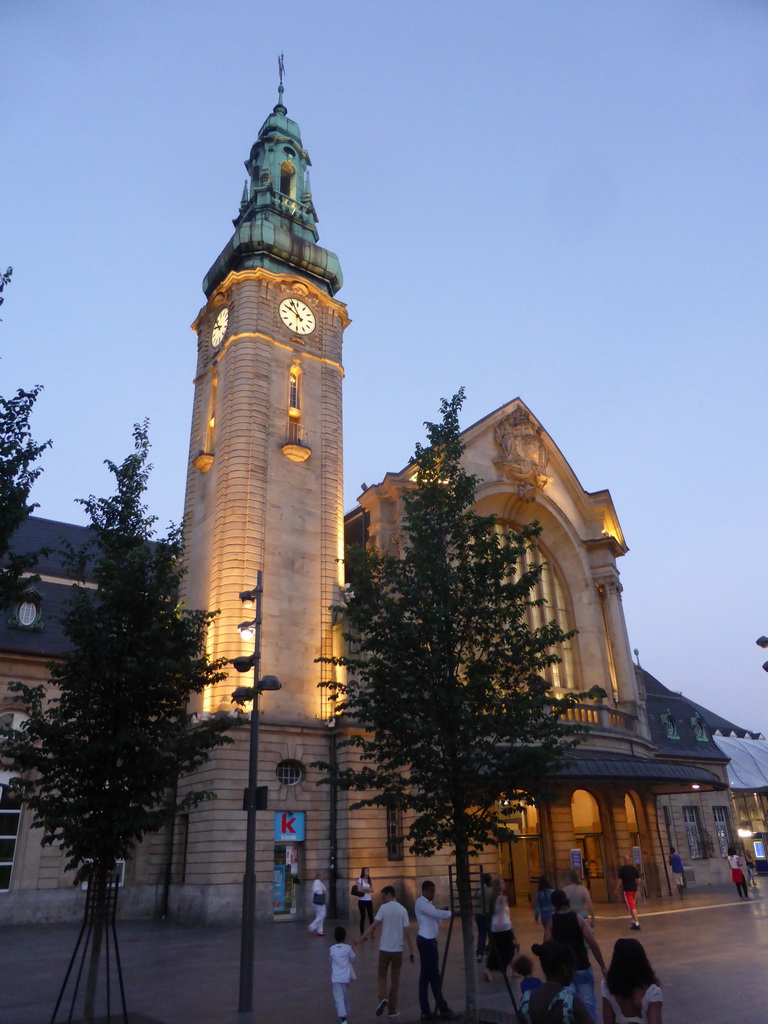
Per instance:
x=521, y=854
x=588, y=840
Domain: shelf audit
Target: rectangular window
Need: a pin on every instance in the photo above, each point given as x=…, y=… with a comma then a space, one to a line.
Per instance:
x=394, y=832
x=693, y=832
x=722, y=829
x=10, y=813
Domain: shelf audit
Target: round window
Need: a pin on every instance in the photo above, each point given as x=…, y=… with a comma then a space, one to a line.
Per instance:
x=289, y=773
x=27, y=613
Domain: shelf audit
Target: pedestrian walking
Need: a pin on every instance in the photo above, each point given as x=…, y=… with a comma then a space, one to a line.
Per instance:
x=428, y=918
x=555, y=1002
x=737, y=875
x=566, y=926
x=631, y=993
x=482, y=917
x=542, y=907
x=502, y=936
x=676, y=863
x=627, y=886
x=342, y=972
x=579, y=897
x=319, y=894
x=364, y=898
x=749, y=861
x=392, y=918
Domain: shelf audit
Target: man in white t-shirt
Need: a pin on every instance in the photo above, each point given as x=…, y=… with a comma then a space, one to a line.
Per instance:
x=392, y=918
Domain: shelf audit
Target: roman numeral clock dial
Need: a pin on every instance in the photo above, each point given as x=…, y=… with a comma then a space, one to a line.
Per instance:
x=297, y=316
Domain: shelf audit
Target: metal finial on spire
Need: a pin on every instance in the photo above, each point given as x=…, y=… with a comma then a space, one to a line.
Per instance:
x=281, y=73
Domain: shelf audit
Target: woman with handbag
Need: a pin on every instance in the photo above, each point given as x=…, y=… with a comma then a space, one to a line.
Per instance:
x=502, y=936
x=319, y=896
x=364, y=898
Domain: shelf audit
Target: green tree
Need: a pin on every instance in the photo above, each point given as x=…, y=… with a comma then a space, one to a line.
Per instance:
x=5, y=279
x=18, y=455
x=450, y=711
x=104, y=744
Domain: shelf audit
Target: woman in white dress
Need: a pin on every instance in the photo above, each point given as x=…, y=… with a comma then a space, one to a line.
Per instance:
x=319, y=896
x=631, y=993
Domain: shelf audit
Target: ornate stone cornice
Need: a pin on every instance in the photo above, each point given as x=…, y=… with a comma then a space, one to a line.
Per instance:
x=300, y=285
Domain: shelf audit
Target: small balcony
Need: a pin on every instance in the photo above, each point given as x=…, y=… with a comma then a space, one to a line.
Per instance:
x=605, y=719
x=297, y=445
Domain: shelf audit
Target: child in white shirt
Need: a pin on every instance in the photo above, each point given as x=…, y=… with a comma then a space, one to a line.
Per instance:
x=342, y=972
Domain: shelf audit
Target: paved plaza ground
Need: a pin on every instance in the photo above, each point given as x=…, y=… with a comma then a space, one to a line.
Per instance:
x=709, y=950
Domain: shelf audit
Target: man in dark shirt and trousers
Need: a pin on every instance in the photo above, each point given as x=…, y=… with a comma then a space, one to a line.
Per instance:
x=628, y=876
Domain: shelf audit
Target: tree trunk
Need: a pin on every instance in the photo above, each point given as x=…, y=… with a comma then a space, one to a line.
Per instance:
x=99, y=915
x=464, y=889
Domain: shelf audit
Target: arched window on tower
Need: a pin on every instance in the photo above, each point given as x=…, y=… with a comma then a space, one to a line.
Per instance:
x=288, y=179
x=294, y=391
x=210, y=425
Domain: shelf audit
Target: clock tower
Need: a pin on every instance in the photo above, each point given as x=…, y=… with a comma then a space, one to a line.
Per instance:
x=264, y=494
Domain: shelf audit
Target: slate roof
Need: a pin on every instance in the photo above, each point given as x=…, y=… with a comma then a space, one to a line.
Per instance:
x=660, y=701
x=36, y=532
x=33, y=534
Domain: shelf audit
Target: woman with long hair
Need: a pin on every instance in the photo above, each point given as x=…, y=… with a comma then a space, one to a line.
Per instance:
x=501, y=935
x=554, y=1002
x=631, y=993
x=364, y=898
x=542, y=907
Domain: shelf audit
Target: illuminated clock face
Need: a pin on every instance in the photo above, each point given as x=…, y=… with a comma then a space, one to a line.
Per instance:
x=297, y=316
x=220, y=327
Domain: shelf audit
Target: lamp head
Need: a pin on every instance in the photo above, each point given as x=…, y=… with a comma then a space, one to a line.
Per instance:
x=242, y=664
x=762, y=641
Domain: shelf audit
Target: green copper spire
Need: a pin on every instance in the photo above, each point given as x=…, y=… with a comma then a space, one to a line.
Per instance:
x=276, y=227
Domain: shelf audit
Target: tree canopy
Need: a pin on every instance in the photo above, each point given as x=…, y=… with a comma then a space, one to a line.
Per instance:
x=446, y=701
x=18, y=455
x=106, y=740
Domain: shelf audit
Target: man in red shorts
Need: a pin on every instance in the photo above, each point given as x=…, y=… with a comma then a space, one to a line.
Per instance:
x=628, y=876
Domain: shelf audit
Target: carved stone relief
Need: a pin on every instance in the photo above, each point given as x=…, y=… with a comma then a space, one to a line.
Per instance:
x=523, y=455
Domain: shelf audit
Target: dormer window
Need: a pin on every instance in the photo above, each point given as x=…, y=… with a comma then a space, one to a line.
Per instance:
x=699, y=728
x=288, y=179
x=670, y=726
x=27, y=614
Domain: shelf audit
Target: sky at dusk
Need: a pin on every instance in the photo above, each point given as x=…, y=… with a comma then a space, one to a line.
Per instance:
x=560, y=201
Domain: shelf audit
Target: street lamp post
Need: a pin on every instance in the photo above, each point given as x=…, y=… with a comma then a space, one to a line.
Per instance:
x=251, y=794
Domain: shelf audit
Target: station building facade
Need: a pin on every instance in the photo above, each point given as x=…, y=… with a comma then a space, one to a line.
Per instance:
x=264, y=501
